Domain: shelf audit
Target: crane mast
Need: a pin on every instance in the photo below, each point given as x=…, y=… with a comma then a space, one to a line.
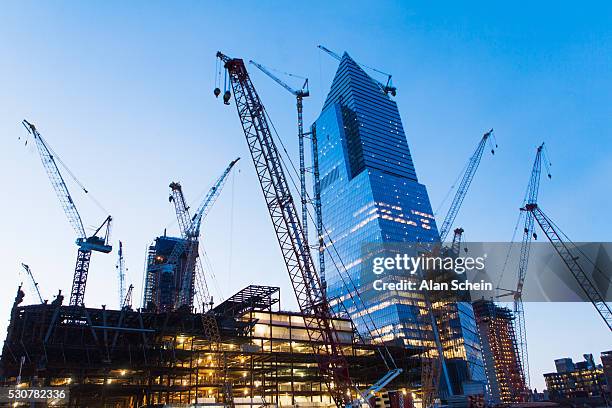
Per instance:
x=121, y=274
x=85, y=244
x=290, y=234
x=466, y=180
x=569, y=253
x=299, y=97
x=533, y=189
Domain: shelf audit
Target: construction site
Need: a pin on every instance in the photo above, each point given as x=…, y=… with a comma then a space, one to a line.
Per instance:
x=175, y=347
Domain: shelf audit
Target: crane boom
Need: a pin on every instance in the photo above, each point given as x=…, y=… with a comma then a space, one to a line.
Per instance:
x=304, y=92
x=184, y=219
x=290, y=235
x=209, y=200
x=569, y=254
x=466, y=180
x=330, y=52
x=34, y=283
x=57, y=181
x=387, y=88
x=180, y=206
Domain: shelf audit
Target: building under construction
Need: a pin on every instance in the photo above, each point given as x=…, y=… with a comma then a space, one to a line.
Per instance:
x=134, y=358
x=503, y=367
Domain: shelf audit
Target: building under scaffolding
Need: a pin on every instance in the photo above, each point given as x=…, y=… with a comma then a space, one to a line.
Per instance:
x=163, y=275
x=504, y=373
x=133, y=358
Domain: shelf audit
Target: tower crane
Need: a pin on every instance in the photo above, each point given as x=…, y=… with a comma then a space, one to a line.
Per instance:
x=387, y=88
x=531, y=196
x=466, y=180
x=307, y=286
x=299, y=94
x=86, y=245
x=570, y=254
x=28, y=271
x=121, y=275
x=190, y=230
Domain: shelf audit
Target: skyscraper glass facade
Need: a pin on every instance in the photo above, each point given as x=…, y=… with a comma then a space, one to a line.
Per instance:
x=370, y=194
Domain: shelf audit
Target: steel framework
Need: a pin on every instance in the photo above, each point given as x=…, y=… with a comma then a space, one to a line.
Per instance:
x=134, y=358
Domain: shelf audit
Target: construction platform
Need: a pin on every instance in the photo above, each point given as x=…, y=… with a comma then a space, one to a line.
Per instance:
x=135, y=358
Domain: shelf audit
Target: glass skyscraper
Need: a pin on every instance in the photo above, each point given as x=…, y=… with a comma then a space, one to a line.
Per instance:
x=370, y=193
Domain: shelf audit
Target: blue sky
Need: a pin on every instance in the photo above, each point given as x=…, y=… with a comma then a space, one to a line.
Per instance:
x=123, y=93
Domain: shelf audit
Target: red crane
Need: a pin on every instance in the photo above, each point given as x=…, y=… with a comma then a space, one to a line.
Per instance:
x=289, y=232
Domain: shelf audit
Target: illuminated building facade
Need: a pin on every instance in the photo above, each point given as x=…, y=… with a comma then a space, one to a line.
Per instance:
x=370, y=194
x=606, y=361
x=134, y=358
x=500, y=353
x=581, y=381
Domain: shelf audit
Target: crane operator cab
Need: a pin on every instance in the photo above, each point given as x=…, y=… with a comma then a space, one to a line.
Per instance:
x=96, y=243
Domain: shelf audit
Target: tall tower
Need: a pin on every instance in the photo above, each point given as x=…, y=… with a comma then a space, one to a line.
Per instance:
x=370, y=193
x=506, y=382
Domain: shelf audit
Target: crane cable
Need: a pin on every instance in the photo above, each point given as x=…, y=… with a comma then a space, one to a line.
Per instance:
x=58, y=159
x=521, y=216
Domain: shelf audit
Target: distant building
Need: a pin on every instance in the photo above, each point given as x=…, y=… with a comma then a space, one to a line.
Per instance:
x=564, y=365
x=500, y=353
x=539, y=396
x=581, y=382
x=606, y=361
x=370, y=193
